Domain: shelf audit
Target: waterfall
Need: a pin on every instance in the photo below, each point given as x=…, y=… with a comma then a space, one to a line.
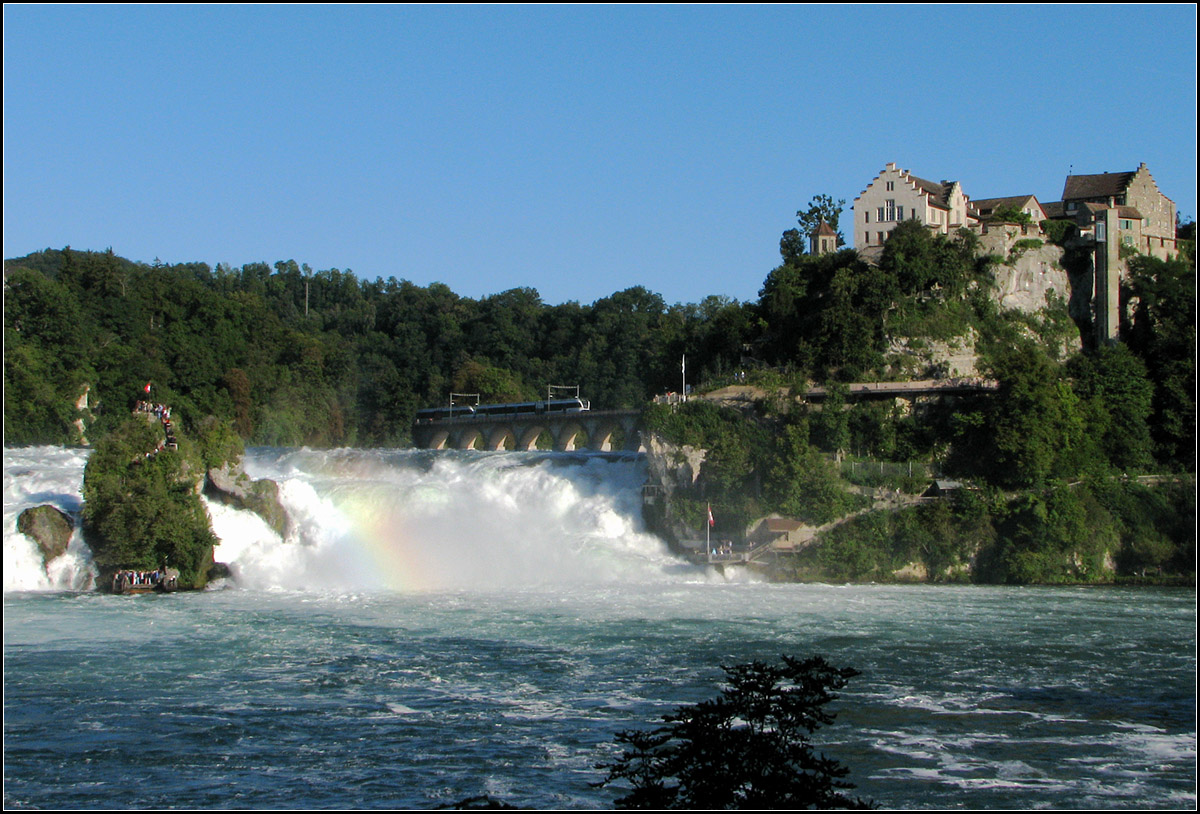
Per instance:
x=34, y=476
x=405, y=520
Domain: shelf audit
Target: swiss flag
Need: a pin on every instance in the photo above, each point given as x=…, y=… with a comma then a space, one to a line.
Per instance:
x=147, y=388
x=711, y=522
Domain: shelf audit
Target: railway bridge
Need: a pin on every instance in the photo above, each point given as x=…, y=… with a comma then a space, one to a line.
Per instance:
x=521, y=432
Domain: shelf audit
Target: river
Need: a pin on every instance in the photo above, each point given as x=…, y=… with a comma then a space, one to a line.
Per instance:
x=443, y=625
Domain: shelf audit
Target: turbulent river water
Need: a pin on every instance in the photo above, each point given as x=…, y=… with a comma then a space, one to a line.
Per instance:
x=444, y=625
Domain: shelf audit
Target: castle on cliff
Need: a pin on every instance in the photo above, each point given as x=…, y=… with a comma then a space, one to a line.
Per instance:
x=1144, y=217
x=1112, y=214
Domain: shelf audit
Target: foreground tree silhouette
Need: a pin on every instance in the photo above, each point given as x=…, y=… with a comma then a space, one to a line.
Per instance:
x=747, y=748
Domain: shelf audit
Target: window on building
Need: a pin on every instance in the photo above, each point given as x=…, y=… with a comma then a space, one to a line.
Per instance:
x=881, y=238
x=891, y=210
x=879, y=214
x=899, y=213
x=891, y=185
x=867, y=216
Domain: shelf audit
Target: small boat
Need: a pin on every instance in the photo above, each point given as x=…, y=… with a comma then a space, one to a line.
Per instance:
x=129, y=581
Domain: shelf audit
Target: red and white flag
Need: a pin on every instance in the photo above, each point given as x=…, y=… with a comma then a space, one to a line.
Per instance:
x=711, y=522
x=147, y=388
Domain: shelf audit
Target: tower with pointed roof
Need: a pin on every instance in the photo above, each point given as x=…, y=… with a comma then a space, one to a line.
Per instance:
x=823, y=239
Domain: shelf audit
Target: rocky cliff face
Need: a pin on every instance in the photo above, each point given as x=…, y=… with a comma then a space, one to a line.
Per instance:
x=931, y=359
x=672, y=468
x=1028, y=272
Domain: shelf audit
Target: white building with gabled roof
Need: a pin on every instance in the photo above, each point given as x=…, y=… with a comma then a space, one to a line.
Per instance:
x=896, y=195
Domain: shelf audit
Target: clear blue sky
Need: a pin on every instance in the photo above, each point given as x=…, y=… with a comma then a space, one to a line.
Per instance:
x=578, y=150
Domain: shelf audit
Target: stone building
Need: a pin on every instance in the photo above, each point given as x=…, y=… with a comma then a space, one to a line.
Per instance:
x=1115, y=213
x=1145, y=217
x=988, y=208
x=896, y=195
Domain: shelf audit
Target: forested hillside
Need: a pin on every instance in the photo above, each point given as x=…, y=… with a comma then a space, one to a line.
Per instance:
x=320, y=358
x=291, y=356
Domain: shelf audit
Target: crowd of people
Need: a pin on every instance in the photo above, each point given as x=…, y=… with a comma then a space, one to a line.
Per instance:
x=723, y=549
x=159, y=578
x=163, y=413
x=160, y=411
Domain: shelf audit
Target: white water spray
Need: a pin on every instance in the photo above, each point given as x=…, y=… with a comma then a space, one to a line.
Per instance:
x=391, y=520
x=36, y=476
x=369, y=519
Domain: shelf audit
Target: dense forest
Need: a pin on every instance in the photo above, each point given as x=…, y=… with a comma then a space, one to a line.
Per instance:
x=293, y=356
x=322, y=358
x=288, y=356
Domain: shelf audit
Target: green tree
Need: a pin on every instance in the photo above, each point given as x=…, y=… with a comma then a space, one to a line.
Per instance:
x=1163, y=334
x=1117, y=395
x=801, y=482
x=750, y=747
x=1033, y=427
x=919, y=260
x=493, y=384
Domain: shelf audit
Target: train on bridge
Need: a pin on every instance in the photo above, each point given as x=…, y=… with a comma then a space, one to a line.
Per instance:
x=524, y=408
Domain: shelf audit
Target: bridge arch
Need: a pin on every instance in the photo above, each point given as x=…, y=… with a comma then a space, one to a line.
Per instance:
x=497, y=438
x=600, y=436
x=565, y=435
x=438, y=439
x=466, y=438
x=527, y=438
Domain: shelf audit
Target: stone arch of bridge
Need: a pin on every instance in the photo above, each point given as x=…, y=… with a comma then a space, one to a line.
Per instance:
x=527, y=437
x=498, y=436
x=600, y=435
x=438, y=439
x=565, y=434
x=625, y=429
x=466, y=437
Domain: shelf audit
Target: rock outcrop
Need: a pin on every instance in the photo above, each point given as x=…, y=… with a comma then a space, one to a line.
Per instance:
x=927, y=358
x=671, y=468
x=50, y=528
x=231, y=485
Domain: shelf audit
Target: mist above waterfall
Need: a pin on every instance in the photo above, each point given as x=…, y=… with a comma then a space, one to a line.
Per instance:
x=405, y=519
